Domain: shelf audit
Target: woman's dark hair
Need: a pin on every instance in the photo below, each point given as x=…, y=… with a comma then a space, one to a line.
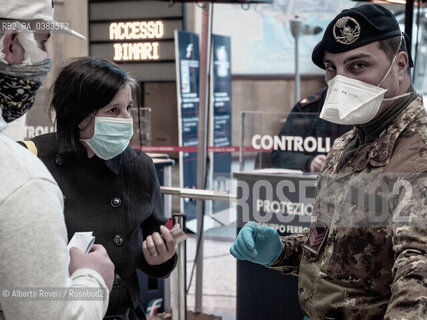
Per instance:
x=82, y=87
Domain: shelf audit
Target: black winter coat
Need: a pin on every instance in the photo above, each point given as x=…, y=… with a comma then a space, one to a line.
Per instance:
x=120, y=201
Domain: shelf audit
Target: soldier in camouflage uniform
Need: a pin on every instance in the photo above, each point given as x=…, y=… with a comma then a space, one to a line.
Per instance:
x=365, y=255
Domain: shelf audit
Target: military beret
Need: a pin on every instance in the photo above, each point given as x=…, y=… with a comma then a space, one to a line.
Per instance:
x=356, y=27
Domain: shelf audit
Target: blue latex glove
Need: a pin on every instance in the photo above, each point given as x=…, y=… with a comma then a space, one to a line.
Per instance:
x=257, y=244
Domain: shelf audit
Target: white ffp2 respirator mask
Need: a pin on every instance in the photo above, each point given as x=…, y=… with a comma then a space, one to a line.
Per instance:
x=351, y=102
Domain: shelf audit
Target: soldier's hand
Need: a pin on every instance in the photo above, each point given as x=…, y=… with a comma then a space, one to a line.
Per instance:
x=257, y=244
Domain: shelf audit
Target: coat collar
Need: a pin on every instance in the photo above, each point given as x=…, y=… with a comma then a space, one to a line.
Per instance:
x=383, y=146
x=115, y=164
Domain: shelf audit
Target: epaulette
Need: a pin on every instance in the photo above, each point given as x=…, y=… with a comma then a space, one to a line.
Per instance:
x=306, y=101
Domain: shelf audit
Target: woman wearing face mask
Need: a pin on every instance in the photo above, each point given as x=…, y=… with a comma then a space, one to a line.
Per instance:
x=108, y=187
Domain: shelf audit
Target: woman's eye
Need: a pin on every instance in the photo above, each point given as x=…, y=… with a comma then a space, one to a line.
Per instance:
x=112, y=110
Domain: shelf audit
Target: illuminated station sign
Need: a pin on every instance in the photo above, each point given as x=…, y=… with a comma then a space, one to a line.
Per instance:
x=138, y=35
x=130, y=41
x=143, y=35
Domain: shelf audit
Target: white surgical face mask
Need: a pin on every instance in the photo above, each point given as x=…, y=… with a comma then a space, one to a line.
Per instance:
x=351, y=102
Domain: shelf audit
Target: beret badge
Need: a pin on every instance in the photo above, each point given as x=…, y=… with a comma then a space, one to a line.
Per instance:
x=346, y=30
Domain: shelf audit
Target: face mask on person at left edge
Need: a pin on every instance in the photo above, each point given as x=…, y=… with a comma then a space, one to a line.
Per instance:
x=19, y=82
x=352, y=102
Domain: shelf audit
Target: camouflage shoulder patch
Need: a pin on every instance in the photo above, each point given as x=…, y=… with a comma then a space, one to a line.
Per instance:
x=316, y=238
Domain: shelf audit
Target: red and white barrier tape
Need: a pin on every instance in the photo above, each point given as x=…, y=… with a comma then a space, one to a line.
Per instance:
x=167, y=149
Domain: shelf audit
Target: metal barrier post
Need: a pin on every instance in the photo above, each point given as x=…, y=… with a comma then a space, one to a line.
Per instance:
x=205, y=48
x=178, y=276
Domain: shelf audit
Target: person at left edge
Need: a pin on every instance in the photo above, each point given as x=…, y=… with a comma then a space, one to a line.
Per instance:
x=109, y=188
x=33, y=236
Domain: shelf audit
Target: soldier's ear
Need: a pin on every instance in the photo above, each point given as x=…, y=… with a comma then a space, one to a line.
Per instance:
x=403, y=64
x=12, y=49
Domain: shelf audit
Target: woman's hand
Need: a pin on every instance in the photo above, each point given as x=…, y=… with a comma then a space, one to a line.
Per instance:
x=159, y=249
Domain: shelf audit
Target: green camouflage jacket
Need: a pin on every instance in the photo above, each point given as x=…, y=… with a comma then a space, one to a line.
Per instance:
x=365, y=256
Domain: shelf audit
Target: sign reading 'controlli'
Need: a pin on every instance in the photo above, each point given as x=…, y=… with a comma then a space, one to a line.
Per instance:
x=141, y=36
